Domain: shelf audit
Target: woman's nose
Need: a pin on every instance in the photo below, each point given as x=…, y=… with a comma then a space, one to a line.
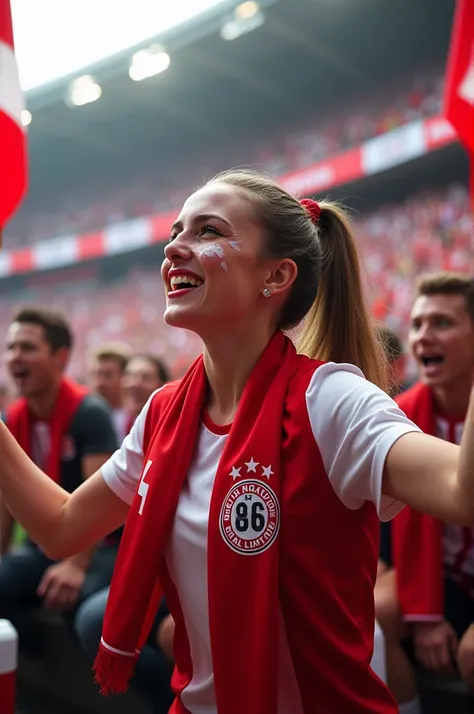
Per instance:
x=177, y=249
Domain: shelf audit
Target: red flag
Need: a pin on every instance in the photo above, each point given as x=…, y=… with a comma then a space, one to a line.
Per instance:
x=459, y=88
x=13, y=176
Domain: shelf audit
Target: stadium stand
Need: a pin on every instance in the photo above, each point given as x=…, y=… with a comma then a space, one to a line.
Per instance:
x=99, y=205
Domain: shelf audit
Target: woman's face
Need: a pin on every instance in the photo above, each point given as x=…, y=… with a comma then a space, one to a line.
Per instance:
x=213, y=271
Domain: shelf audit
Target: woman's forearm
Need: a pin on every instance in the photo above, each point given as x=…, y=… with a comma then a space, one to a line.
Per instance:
x=62, y=524
x=32, y=498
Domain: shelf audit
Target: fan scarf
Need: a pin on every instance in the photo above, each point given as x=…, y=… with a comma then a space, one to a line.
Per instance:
x=19, y=421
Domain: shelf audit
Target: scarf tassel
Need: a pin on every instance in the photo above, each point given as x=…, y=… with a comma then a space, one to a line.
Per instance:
x=113, y=672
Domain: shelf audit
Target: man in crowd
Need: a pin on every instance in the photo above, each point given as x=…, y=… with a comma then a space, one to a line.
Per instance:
x=107, y=367
x=431, y=599
x=69, y=434
x=143, y=375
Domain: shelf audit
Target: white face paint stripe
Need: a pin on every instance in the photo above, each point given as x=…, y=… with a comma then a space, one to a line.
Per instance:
x=215, y=251
x=212, y=251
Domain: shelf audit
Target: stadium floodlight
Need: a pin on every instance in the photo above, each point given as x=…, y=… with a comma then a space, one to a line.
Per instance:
x=246, y=9
x=26, y=117
x=83, y=90
x=247, y=17
x=148, y=63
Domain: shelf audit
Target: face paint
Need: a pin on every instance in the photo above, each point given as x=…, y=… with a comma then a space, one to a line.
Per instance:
x=235, y=244
x=215, y=252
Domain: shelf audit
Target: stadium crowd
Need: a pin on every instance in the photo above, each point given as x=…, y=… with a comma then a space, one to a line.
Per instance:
x=439, y=322
x=98, y=204
x=115, y=342
x=397, y=243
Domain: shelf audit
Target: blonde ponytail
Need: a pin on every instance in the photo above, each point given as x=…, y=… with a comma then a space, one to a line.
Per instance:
x=338, y=326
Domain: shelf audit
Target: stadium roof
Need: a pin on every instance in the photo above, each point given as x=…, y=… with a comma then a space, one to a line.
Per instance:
x=307, y=53
x=54, y=38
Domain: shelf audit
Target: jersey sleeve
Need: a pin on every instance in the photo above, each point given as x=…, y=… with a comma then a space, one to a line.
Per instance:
x=355, y=424
x=123, y=470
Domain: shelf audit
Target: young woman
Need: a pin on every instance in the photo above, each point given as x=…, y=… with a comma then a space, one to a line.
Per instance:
x=253, y=486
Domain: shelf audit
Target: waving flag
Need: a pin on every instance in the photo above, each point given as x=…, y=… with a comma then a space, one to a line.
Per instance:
x=13, y=176
x=459, y=88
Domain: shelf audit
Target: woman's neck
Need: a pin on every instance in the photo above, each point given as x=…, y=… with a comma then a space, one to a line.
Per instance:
x=228, y=366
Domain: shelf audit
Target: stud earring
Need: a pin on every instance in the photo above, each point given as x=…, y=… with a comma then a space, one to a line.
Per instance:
x=266, y=293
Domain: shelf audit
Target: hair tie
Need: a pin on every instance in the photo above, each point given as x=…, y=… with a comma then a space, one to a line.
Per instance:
x=312, y=207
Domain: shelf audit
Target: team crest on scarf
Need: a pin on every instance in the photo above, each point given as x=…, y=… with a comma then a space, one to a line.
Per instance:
x=250, y=514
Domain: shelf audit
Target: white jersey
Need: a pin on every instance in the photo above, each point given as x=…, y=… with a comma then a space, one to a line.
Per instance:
x=355, y=425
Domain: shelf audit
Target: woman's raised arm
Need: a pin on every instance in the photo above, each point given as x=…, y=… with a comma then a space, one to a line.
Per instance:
x=60, y=523
x=434, y=476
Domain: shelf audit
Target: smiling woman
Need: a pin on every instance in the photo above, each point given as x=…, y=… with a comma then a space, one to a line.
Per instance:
x=247, y=480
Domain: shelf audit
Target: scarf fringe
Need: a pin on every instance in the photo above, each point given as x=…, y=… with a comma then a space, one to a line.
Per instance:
x=113, y=672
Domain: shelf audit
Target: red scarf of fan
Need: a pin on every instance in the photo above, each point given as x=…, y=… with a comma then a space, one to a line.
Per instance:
x=256, y=429
x=19, y=421
x=134, y=595
x=420, y=580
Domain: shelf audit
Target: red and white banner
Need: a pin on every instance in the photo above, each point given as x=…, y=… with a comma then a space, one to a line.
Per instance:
x=12, y=134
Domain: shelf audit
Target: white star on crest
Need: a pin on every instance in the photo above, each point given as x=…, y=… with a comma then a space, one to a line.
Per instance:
x=235, y=473
x=251, y=465
x=267, y=471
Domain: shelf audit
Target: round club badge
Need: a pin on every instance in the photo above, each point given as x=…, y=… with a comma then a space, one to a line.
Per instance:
x=250, y=517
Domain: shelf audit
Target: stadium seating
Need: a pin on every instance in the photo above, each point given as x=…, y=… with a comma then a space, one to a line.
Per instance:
x=97, y=205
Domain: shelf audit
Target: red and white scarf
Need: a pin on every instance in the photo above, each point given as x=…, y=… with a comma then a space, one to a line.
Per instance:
x=19, y=420
x=135, y=590
x=420, y=580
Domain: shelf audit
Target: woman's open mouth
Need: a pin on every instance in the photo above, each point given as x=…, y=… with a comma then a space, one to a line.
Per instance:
x=183, y=283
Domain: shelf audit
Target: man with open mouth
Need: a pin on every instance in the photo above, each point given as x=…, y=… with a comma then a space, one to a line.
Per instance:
x=68, y=432
x=433, y=593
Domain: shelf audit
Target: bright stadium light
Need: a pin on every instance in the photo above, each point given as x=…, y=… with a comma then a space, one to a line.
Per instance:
x=26, y=117
x=247, y=17
x=246, y=9
x=83, y=90
x=148, y=63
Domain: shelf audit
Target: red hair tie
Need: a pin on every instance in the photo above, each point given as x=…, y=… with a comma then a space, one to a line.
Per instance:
x=312, y=207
